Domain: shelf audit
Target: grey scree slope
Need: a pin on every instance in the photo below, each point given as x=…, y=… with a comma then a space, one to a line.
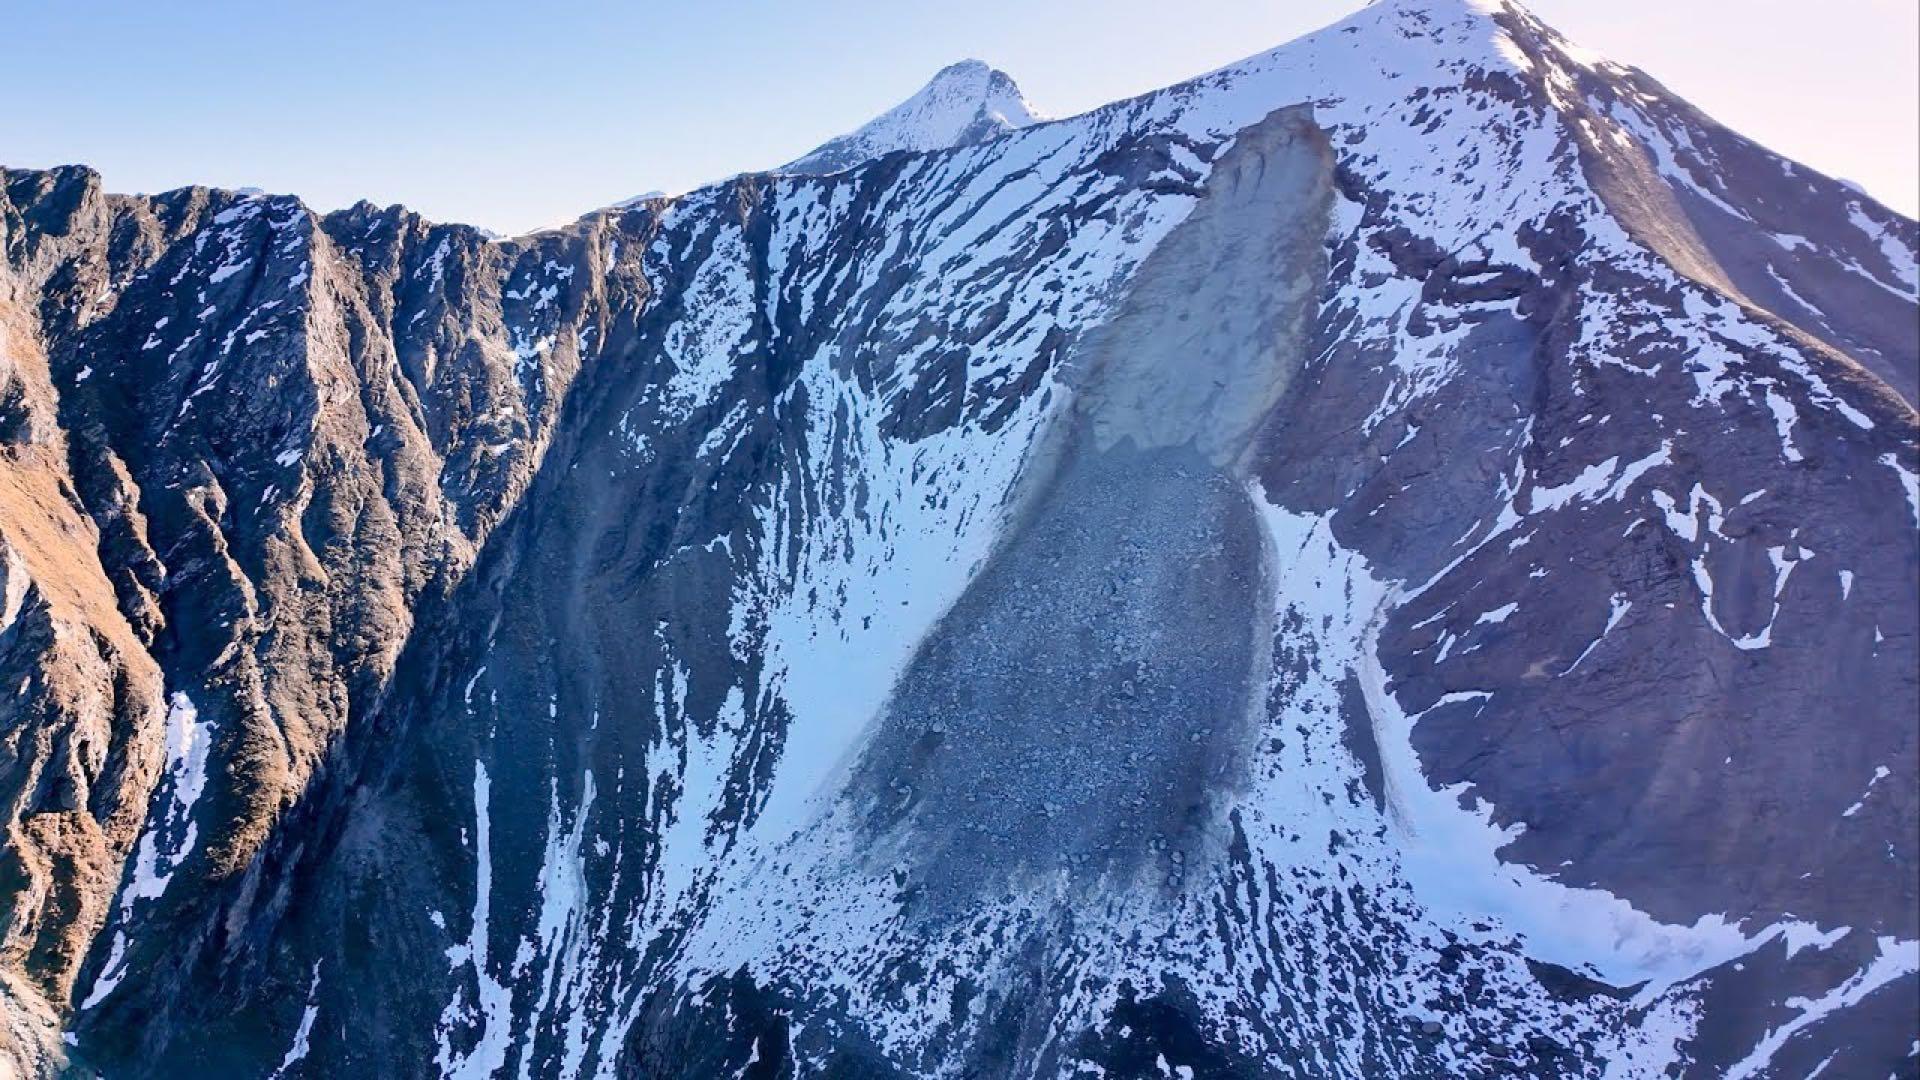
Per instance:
x=1121, y=617
x=1394, y=558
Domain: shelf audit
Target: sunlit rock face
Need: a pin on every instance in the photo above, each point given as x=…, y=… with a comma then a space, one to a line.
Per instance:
x=1394, y=558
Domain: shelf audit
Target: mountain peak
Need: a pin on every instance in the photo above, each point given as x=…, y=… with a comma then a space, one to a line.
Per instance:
x=966, y=102
x=1449, y=8
x=1424, y=18
x=964, y=68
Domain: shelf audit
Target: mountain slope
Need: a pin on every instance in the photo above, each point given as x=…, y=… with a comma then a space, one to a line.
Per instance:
x=1338, y=567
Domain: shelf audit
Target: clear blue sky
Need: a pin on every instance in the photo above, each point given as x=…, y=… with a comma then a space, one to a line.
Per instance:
x=521, y=115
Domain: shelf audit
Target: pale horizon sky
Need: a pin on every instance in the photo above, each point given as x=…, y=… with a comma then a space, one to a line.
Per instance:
x=516, y=116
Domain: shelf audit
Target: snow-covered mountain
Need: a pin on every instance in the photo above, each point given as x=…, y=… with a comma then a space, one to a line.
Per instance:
x=1396, y=557
x=964, y=104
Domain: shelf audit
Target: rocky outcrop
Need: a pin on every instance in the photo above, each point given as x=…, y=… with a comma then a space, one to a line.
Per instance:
x=82, y=709
x=250, y=443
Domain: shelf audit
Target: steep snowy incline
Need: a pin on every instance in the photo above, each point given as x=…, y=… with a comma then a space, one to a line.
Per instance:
x=1751, y=224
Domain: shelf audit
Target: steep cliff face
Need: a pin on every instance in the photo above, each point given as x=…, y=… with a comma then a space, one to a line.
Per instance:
x=247, y=444
x=1392, y=558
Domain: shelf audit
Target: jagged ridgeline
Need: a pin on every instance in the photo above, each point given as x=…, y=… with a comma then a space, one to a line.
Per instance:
x=1395, y=558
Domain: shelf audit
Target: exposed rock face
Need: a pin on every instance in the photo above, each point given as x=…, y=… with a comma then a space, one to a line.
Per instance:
x=250, y=445
x=1395, y=558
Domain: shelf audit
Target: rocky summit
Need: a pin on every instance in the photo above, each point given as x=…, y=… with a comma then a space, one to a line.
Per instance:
x=1394, y=558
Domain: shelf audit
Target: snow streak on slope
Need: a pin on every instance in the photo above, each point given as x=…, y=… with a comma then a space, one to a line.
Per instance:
x=168, y=838
x=491, y=1011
